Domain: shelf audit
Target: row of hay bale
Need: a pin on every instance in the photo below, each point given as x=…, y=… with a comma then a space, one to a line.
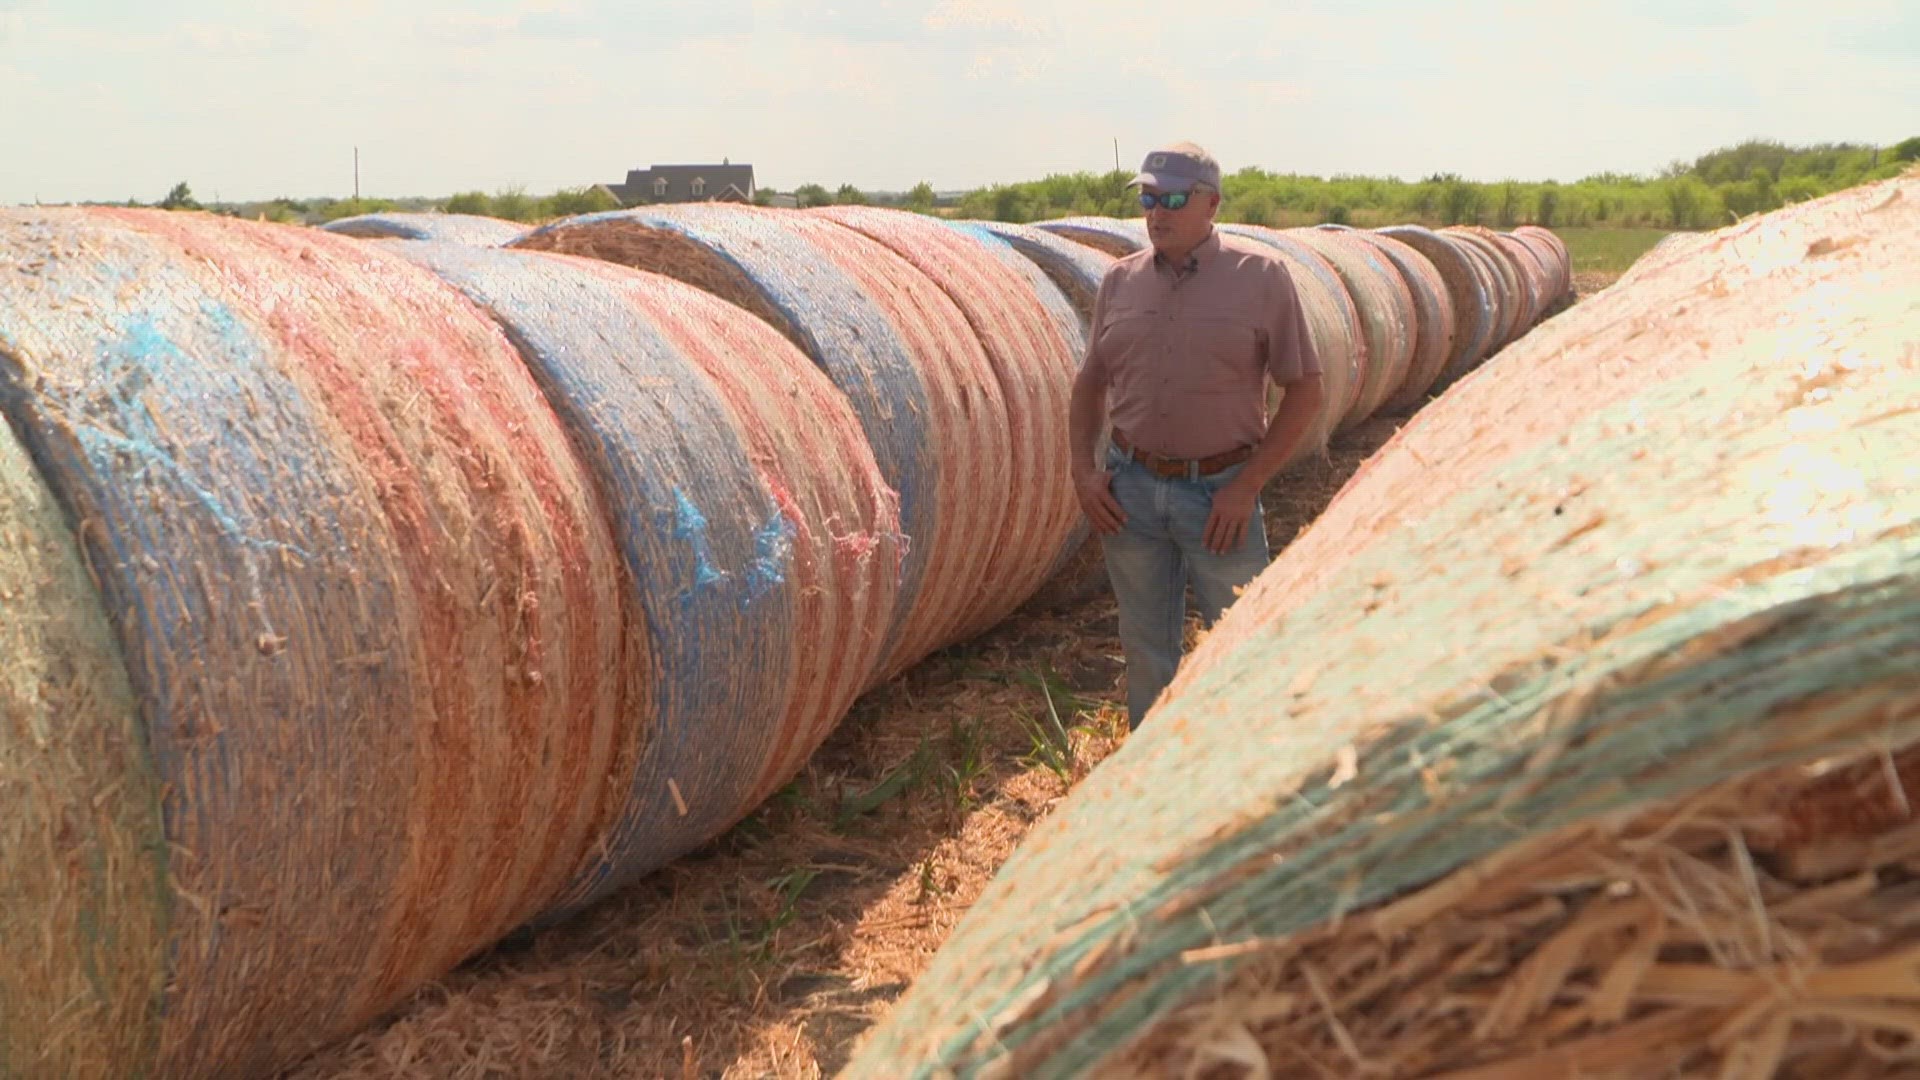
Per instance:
x=366, y=600
x=1578, y=737
x=371, y=592
x=1398, y=313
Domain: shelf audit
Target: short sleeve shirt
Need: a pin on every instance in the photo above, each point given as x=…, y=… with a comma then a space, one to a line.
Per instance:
x=1186, y=353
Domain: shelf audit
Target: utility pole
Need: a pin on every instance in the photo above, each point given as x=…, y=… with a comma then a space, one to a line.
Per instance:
x=1116, y=153
x=356, y=174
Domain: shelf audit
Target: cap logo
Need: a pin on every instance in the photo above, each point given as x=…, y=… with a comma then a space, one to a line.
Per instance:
x=1157, y=160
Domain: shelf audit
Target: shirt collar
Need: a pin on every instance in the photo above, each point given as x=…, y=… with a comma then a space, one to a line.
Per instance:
x=1202, y=253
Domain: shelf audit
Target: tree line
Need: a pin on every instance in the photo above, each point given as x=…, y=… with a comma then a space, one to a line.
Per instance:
x=1714, y=189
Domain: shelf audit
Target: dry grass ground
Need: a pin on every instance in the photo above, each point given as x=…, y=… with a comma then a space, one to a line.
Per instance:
x=771, y=951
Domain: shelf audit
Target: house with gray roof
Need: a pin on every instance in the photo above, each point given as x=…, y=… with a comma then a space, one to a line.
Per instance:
x=725, y=182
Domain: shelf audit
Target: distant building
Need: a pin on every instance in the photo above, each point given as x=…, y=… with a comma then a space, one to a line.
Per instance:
x=725, y=182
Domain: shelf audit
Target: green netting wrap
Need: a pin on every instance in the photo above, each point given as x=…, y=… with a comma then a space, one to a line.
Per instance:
x=1569, y=769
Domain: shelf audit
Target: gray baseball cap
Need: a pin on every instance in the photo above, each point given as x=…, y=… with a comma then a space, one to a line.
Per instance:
x=1178, y=168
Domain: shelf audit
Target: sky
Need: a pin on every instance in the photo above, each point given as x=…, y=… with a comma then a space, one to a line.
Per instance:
x=252, y=99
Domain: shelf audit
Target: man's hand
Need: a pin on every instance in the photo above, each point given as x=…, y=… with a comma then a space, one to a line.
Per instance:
x=1095, y=491
x=1232, y=514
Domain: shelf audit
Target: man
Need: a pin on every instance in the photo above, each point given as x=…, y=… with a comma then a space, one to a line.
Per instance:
x=1185, y=336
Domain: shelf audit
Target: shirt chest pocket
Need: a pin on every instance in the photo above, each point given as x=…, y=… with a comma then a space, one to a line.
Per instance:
x=1223, y=352
x=1131, y=329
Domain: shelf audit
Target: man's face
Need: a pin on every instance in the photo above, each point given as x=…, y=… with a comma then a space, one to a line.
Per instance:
x=1180, y=230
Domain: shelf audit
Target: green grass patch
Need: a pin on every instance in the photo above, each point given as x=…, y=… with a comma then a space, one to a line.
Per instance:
x=1608, y=250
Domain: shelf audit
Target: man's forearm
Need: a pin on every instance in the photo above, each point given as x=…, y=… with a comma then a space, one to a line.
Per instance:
x=1285, y=432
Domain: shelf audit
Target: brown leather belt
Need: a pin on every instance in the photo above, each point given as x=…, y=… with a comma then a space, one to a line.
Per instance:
x=1180, y=467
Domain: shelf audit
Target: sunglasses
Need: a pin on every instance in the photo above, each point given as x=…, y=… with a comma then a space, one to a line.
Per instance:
x=1172, y=200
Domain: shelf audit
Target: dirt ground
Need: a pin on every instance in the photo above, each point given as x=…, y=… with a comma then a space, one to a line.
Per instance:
x=770, y=952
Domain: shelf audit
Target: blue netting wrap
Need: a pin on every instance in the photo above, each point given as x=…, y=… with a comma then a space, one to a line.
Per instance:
x=794, y=271
x=474, y=229
x=1075, y=269
x=1114, y=236
x=693, y=521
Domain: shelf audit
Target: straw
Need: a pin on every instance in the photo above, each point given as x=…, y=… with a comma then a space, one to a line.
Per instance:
x=1598, y=829
x=1468, y=298
x=1557, y=290
x=1515, y=305
x=366, y=597
x=889, y=339
x=1560, y=260
x=1075, y=269
x=1118, y=237
x=1005, y=303
x=85, y=911
x=1433, y=321
x=1535, y=275
x=1333, y=326
x=729, y=545
x=1668, y=250
x=1387, y=313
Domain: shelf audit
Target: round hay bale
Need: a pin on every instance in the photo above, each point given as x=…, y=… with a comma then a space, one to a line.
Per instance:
x=1553, y=256
x=85, y=919
x=367, y=596
x=1487, y=265
x=1387, y=315
x=887, y=336
x=1076, y=272
x=1553, y=291
x=1076, y=269
x=1468, y=297
x=1647, y=817
x=758, y=536
x=1493, y=284
x=1562, y=259
x=475, y=229
x=1513, y=303
x=1535, y=276
x=1433, y=320
x=1668, y=250
x=1117, y=237
x=1334, y=324
x=1033, y=359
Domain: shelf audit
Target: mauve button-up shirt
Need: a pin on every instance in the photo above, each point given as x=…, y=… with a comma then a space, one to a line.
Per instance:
x=1185, y=353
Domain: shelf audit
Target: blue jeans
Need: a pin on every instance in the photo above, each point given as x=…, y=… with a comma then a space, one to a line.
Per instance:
x=1153, y=558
